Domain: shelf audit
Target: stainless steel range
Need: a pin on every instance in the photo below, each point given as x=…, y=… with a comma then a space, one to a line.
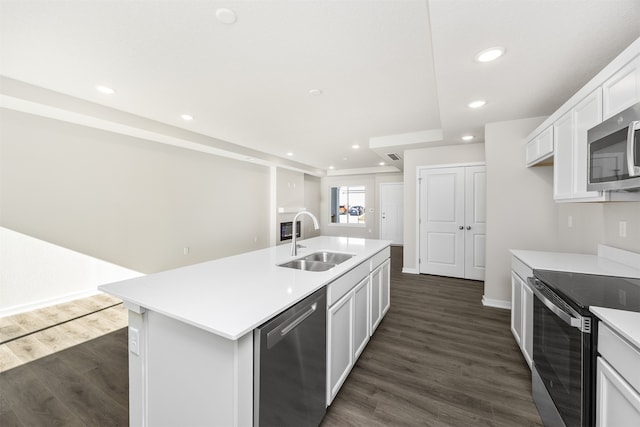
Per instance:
x=565, y=340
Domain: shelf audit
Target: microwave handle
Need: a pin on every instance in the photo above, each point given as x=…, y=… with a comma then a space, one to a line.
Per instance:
x=634, y=169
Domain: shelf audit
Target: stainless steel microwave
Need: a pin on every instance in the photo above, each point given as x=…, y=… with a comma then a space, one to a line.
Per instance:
x=614, y=152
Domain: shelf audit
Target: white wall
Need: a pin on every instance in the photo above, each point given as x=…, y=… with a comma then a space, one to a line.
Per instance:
x=372, y=187
x=521, y=213
x=296, y=191
x=34, y=273
x=312, y=197
x=125, y=200
x=452, y=154
x=595, y=223
x=289, y=196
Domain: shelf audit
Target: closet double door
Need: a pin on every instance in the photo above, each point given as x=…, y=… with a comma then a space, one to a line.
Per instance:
x=453, y=221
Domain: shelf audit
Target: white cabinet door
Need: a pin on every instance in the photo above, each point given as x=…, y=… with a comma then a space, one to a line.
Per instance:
x=622, y=90
x=563, y=157
x=475, y=222
x=516, y=307
x=385, y=288
x=526, y=343
x=570, y=162
x=442, y=221
x=453, y=221
x=617, y=403
x=376, y=294
x=339, y=344
x=540, y=148
x=586, y=115
x=361, y=315
x=522, y=316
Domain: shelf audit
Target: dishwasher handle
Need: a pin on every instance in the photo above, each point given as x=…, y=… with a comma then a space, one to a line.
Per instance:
x=274, y=336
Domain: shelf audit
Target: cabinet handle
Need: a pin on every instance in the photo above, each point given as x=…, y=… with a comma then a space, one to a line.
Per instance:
x=468, y=227
x=461, y=228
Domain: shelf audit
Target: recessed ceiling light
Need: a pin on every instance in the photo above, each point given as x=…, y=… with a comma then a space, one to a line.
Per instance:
x=477, y=104
x=315, y=92
x=289, y=154
x=355, y=146
x=331, y=167
x=226, y=16
x=490, y=54
x=105, y=89
x=187, y=117
x=381, y=163
x=467, y=137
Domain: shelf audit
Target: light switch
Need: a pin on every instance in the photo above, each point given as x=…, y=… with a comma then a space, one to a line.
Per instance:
x=622, y=225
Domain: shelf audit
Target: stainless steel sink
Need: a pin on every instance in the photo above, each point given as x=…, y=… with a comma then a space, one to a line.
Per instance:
x=303, y=264
x=317, y=261
x=331, y=257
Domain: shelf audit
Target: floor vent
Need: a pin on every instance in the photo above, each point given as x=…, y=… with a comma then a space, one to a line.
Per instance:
x=393, y=156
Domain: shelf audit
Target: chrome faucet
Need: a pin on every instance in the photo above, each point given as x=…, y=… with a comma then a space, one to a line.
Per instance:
x=294, y=231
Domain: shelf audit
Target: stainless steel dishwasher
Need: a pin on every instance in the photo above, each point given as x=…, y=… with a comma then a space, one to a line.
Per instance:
x=290, y=366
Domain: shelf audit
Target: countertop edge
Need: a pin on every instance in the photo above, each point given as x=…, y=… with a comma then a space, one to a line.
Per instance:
x=227, y=331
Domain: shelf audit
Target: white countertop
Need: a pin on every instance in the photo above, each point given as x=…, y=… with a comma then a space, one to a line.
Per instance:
x=575, y=263
x=626, y=323
x=231, y=296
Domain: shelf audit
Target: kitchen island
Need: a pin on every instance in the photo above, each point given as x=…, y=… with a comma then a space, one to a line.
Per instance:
x=191, y=329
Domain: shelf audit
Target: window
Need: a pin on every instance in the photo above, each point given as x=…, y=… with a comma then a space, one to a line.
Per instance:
x=347, y=205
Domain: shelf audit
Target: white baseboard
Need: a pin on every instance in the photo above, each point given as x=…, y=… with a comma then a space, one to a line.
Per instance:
x=17, y=309
x=487, y=302
x=410, y=270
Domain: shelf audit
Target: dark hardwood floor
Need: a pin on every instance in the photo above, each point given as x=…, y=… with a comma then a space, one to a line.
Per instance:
x=439, y=358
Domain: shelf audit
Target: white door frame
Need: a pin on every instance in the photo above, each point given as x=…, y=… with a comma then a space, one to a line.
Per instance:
x=380, y=205
x=418, y=170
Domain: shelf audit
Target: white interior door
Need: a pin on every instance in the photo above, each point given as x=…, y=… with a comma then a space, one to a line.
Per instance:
x=475, y=222
x=391, y=212
x=442, y=221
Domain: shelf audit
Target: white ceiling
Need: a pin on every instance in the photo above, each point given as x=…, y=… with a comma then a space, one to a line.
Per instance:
x=394, y=74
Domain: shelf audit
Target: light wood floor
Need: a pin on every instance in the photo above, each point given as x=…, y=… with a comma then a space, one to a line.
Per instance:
x=439, y=358
x=30, y=336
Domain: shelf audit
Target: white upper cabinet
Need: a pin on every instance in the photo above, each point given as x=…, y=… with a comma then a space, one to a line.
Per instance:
x=563, y=161
x=570, y=163
x=622, y=90
x=540, y=148
x=586, y=115
x=562, y=138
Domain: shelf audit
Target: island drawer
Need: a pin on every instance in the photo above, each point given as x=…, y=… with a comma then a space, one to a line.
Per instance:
x=379, y=258
x=343, y=284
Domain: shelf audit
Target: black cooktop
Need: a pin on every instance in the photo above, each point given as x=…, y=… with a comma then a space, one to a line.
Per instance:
x=585, y=290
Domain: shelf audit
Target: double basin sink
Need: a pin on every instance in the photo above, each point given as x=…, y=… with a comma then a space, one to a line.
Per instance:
x=317, y=261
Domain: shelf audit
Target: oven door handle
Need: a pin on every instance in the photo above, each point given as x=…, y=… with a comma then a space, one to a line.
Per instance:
x=575, y=322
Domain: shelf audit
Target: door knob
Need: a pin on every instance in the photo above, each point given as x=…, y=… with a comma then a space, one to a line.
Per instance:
x=461, y=228
x=468, y=227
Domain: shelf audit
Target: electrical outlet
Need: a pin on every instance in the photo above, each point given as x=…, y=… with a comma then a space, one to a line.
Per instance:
x=185, y=250
x=134, y=341
x=570, y=221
